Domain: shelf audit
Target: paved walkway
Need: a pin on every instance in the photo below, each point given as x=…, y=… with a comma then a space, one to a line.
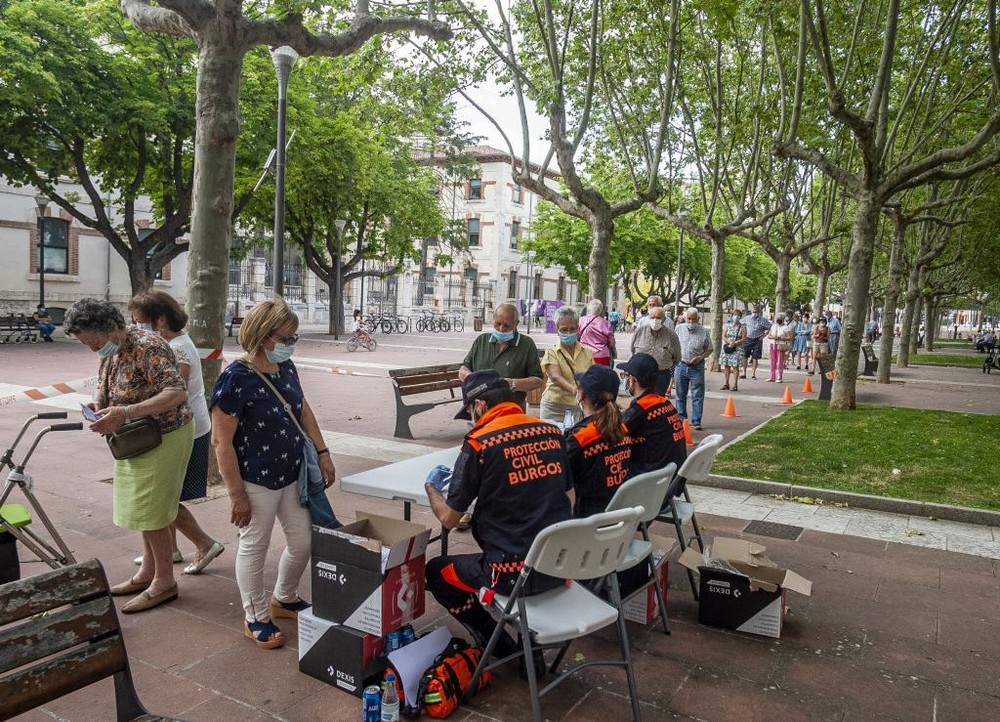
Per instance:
x=899, y=626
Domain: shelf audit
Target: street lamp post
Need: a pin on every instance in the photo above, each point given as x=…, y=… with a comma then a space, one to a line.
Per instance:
x=43, y=203
x=284, y=58
x=531, y=260
x=337, y=303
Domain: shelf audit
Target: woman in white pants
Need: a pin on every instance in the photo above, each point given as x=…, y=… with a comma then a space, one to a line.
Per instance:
x=260, y=448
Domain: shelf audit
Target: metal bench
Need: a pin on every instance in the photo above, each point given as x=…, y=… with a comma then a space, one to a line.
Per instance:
x=59, y=632
x=422, y=380
x=17, y=328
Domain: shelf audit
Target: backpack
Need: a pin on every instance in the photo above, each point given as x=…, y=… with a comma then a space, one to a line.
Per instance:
x=443, y=684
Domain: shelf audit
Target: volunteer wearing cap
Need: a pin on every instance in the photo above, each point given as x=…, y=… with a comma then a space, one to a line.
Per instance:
x=599, y=447
x=512, y=354
x=516, y=466
x=656, y=428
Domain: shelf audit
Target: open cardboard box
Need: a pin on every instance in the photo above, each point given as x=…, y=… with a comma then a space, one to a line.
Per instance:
x=741, y=588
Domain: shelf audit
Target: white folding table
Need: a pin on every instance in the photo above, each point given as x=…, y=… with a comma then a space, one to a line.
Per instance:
x=402, y=481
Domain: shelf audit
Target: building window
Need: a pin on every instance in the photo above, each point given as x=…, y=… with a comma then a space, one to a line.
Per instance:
x=512, y=284
x=429, y=273
x=55, y=232
x=537, y=290
x=475, y=189
x=561, y=289
x=472, y=281
x=517, y=193
x=515, y=233
x=473, y=232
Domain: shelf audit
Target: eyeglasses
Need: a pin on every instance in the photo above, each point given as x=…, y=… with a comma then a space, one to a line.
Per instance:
x=287, y=340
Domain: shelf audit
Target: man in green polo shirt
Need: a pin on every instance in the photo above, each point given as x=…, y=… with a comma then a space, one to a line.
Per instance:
x=511, y=353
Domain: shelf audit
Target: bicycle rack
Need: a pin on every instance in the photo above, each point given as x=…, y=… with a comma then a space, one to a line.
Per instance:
x=55, y=556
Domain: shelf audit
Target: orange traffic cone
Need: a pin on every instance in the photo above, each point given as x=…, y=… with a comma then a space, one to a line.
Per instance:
x=687, y=433
x=730, y=412
x=788, y=396
x=808, y=388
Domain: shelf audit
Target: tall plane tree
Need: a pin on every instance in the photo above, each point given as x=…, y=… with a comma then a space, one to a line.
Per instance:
x=224, y=31
x=932, y=118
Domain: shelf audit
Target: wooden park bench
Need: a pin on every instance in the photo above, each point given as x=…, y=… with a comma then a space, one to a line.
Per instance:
x=422, y=380
x=59, y=632
x=17, y=328
x=871, y=360
x=234, y=321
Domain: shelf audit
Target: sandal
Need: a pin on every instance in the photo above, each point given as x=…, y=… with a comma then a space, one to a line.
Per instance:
x=264, y=634
x=288, y=610
x=736, y=388
x=725, y=387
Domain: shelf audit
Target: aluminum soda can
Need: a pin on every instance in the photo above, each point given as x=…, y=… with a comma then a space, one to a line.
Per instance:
x=371, y=704
x=408, y=635
x=393, y=641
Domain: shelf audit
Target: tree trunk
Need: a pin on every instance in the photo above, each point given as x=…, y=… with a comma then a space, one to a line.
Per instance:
x=909, y=314
x=819, y=303
x=331, y=288
x=783, y=286
x=602, y=232
x=859, y=272
x=718, y=295
x=218, y=125
x=918, y=310
x=889, y=310
x=932, y=323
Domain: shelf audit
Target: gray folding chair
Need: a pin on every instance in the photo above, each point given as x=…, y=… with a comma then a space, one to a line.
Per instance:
x=649, y=491
x=679, y=509
x=578, y=549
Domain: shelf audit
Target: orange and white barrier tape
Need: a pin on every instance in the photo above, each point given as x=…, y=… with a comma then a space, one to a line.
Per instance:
x=209, y=354
x=78, y=386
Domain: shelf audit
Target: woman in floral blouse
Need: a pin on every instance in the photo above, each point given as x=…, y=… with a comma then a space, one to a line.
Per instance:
x=139, y=377
x=259, y=449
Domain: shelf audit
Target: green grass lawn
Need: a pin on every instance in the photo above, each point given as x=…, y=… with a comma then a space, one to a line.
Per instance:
x=934, y=456
x=954, y=344
x=945, y=359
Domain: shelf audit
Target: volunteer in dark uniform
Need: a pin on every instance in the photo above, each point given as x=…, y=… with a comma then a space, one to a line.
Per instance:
x=516, y=466
x=656, y=428
x=599, y=447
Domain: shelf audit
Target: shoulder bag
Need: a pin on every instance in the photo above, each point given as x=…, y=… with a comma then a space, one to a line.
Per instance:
x=312, y=490
x=133, y=438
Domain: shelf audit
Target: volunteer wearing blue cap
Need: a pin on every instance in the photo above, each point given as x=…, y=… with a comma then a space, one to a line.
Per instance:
x=656, y=428
x=599, y=447
x=516, y=466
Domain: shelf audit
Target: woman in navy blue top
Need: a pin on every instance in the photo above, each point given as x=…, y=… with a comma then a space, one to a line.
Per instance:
x=259, y=449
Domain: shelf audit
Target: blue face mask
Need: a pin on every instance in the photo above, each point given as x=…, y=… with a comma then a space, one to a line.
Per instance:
x=280, y=353
x=108, y=349
x=503, y=336
x=567, y=339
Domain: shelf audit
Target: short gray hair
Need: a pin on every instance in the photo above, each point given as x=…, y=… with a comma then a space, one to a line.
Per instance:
x=92, y=314
x=567, y=312
x=595, y=306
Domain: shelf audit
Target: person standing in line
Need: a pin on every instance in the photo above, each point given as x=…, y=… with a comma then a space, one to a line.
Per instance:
x=651, y=303
x=800, y=347
x=138, y=378
x=753, y=348
x=656, y=428
x=696, y=346
x=260, y=451
x=596, y=333
x=780, y=336
x=835, y=327
x=599, y=448
x=661, y=343
x=511, y=353
x=732, y=351
x=820, y=339
x=159, y=312
x=561, y=363
x=43, y=322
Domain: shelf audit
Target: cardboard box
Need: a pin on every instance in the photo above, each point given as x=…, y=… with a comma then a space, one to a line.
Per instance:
x=369, y=575
x=741, y=589
x=643, y=608
x=340, y=656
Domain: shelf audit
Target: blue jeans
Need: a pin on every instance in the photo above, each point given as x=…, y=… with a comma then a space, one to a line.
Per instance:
x=686, y=376
x=834, y=343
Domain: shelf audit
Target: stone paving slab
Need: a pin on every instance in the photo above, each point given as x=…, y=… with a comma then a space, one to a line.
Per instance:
x=894, y=629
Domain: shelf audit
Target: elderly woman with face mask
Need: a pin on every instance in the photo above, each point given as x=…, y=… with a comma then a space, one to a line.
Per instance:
x=260, y=449
x=138, y=377
x=562, y=362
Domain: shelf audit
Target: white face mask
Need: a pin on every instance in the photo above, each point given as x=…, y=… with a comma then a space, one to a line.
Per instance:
x=656, y=324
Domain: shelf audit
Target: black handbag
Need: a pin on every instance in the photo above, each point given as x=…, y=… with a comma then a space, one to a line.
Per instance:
x=134, y=438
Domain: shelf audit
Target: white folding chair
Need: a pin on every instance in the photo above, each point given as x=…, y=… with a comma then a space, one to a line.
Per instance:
x=649, y=491
x=578, y=550
x=679, y=509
